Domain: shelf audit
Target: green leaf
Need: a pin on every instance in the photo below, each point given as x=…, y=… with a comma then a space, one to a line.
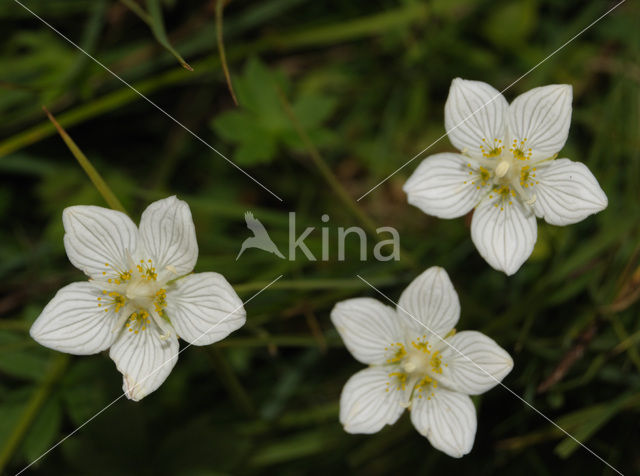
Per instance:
x=262, y=126
x=313, y=110
x=158, y=29
x=257, y=148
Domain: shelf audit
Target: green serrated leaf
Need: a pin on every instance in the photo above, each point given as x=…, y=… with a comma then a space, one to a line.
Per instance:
x=261, y=126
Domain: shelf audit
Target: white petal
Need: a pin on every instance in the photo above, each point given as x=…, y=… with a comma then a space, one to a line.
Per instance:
x=542, y=116
x=73, y=323
x=475, y=363
x=504, y=234
x=445, y=185
x=168, y=235
x=365, y=404
x=144, y=360
x=204, y=308
x=430, y=303
x=447, y=419
x=567, y=192
x=95, y=236
x=475, y=111
x=367, y=328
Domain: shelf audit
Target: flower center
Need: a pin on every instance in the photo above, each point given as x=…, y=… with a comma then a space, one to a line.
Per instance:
x=419, y=364
x=507, y=171
x=136, y=292
x=141, y=290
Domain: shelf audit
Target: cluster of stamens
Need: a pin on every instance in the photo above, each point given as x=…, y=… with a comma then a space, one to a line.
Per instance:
x=138, y=321
x=134, y=288
x=504, y=172
x=418, y=365
x=491, y=151
x=121, y=275
x=112, y=298
x=518, y=149
x=160, y=301
x=146, y=270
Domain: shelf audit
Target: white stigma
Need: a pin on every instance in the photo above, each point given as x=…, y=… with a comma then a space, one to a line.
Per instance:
x=502, y=168
x=140, y=288
x=415, y=362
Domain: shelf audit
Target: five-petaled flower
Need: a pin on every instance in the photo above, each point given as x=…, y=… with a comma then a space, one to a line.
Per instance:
x=507, y=171
x=140, y=295
x=417, y=361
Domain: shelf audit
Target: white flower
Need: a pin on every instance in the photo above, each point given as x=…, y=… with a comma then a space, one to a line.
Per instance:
x=140, y=296
x=508, y=170
x=417, y=361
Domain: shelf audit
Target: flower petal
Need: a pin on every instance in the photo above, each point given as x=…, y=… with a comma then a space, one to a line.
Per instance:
x=447, y=419
x=365, y=404
x=475, y=111
x=542, y=116
x=367, y=328
x=73, y=323
x=430, y=303
x=95, y=236
x=567, y=192
x=169, y=236
x=204, y=308
x=445, y=185
x=144, y=359
x=504, y=234
x=475, y=363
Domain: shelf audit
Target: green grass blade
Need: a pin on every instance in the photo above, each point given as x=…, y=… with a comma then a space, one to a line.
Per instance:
x=223, y=56
x=157, y=27
x=35, y=403
x=88, y=167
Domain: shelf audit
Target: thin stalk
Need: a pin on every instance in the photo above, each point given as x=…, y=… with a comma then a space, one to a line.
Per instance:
x=329, y=176
x=88, y=167
x=623, y=336
x=155, y=22
x=324, y=169
x=38, y=398
x=289, y=41
x=139, y=11
x=221, y=52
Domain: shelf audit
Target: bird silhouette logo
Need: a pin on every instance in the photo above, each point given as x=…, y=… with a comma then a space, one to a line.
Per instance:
x=260, y=238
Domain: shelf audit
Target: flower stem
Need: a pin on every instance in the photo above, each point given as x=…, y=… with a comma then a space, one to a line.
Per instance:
x=87, y=166
x=38, y=398
x=223, y=56
x=329, y=176
x=324, y=169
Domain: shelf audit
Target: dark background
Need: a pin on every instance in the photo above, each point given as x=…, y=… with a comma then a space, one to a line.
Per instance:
x=367, y=83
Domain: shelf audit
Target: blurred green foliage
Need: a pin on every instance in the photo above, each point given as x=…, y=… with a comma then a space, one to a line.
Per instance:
x=261, y=125
x=367, y=82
